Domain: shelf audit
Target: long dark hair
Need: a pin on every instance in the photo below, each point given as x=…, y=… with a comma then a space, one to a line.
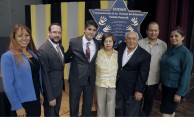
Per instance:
x=15, y=48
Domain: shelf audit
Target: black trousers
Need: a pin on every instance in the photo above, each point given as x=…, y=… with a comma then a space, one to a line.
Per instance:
x=50, y=111
x=5, y=107
x=126, y=106
x=87, y=92
x=149, y=94
x=33, y=109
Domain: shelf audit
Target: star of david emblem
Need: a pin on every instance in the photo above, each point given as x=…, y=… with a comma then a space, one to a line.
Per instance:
x=118, y=20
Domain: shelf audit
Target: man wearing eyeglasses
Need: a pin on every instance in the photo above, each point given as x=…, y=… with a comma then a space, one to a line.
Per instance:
x=52, y=60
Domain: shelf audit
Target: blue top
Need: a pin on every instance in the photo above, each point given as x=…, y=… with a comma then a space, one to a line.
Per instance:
x=17, y=79
x=175, y=67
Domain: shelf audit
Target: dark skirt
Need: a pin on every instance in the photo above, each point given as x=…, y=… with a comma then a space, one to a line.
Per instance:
x=168, y=106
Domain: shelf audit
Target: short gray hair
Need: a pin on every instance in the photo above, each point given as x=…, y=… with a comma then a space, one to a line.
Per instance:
x=131, y=31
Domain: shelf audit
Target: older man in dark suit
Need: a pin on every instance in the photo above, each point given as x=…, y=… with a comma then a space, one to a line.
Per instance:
x=52, y=60
x=134, y=63
x=82, y=53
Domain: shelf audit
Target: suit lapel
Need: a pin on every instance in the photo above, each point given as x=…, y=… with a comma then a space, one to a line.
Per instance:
x=52, y=49
x=62, y=49
x=80, y=47
x=133, y=57
x=120, y=55
x=97, y=48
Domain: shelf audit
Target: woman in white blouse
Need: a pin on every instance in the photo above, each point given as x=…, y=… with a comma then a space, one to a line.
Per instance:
x=106, y=71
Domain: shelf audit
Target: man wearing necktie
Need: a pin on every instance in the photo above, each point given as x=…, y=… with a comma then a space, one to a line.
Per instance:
x=60, y=52
x=82, y=54
x=88, y=51
x=52, y=60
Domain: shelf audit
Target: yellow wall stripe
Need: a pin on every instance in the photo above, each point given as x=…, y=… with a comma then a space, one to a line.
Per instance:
x=64, y=23
x=33, y=22
x=103, y=4
x=126, y=2
x=81, y=17
x=48, y=18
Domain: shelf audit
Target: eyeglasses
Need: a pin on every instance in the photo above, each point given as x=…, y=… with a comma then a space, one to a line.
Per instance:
x=55, y=32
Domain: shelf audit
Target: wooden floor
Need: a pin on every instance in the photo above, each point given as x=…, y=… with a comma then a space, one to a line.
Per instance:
x=64, y=111
x=185, y=108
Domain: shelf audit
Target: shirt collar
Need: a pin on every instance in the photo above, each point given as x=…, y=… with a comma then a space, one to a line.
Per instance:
x=54, y=44
x=148, y=42
x=85, y=41
x=126, y=49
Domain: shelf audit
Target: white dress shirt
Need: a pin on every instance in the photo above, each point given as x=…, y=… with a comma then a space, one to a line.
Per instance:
x=127, y=56
x=55, y=46
x=92, y=46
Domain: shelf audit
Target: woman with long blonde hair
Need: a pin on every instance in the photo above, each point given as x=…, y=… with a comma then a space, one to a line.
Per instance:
x=21, y=73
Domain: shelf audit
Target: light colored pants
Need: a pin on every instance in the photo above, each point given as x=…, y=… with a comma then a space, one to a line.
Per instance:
x=105, y=101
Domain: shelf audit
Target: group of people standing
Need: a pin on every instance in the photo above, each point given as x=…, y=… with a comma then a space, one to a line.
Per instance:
x=125, y=78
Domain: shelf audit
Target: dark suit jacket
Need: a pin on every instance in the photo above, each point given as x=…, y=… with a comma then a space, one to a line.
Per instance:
x=133, y=75
x=53, y=70
x=80, y=69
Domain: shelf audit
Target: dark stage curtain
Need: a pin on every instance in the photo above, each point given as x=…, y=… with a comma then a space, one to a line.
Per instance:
x=144, y=6
x=56, y=13
x=27, y=16
x=190, y=39
x=92, y=4
x=172, y=13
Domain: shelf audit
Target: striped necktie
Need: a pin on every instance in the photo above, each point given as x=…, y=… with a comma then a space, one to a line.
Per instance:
x=59, y=52
x=88, y=51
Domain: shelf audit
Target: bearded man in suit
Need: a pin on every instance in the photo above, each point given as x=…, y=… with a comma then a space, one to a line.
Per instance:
x=52, y=60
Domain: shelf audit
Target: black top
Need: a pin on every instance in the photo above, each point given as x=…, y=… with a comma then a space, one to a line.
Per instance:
x=35, y=66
